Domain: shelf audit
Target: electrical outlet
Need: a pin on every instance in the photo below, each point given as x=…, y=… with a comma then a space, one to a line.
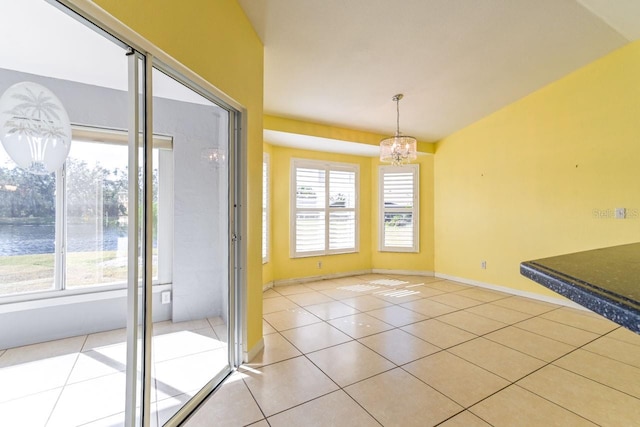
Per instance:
x=483, y=265
x=319, y=264
x=166, y=297
x=621, y=213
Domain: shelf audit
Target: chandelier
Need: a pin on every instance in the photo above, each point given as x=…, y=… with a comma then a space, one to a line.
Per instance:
x=398, y=149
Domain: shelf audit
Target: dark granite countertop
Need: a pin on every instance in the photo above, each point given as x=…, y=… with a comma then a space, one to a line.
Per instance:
x=606, y=281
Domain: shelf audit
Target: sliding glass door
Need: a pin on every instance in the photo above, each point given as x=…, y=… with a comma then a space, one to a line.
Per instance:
x=116, y=270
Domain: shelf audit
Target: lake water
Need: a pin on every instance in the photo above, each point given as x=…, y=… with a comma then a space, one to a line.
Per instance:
x=23, y=239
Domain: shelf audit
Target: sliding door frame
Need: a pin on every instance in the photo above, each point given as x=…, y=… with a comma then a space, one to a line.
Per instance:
x=139, y=309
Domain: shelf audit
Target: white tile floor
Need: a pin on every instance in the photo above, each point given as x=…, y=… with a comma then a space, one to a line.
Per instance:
x=349, y=352
x=80, y=381
x=345, y=353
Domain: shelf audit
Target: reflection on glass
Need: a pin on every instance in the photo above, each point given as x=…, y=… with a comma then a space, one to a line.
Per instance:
x=27, y=229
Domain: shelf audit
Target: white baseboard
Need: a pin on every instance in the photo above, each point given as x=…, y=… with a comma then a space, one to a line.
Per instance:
x=517, y=292
x=404, y=272
x=299, y=280
x=249, y=355
x=267, y=286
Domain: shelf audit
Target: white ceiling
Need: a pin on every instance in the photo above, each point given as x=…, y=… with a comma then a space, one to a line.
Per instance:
x=339, y=62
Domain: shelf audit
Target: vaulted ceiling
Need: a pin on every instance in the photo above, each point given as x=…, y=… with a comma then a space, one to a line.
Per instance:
x=339, y=62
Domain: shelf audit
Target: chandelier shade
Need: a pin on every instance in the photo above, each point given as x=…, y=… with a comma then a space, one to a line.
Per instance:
x=34, y=128
x=398, y=149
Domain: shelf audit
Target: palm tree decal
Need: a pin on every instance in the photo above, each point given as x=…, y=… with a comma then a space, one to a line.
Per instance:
x=37, y=117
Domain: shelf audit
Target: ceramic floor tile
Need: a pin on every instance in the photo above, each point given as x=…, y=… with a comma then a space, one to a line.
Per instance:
x=464, y=419
x=2, y=352
x=624, y=334
x=188, y=374
x=286, y=384
x=292, y=289
x=183, y=343
x=485, y=295
x=338, y=294
x=399, y=346
x=168, y=326
x=102, y=339
x=366, y=303
x=425, y=290
x=34, y=376
x=276, y=349
x=275, y=304
x=290, y=318
x=619, y=350
x=216, y=321
x=580, y=319
x=459, y=380
x=412, y=280
x=396, y=315
x=447, y=285
x=473, y=323
x=267, y=328
x=221, y=332
x=500, y=360
x=360, y=325
x=333, y=409
x=261, y=423
x=589, y=399
x=231, y=405
x=315, y=337
x=532, y=344
x=428, y=307
x=513, y=405
x=610, y=372
x=557, y=331
x=501, y=314
x=45, y=350
x=270, y=293
x=99, y=362
x=526, y=305
x=395, y=398
x=398, y=296
x=89, y=400
x=33, y=410
x=456, y=300
x=438, y=333
x=331, y=310
x=322, y=285
x=309, y=298
x=349, y=362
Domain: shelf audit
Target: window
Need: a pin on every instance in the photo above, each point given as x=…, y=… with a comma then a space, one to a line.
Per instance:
x=399, y=202
x=265, y=208
x=324, y=200
x=68, y=230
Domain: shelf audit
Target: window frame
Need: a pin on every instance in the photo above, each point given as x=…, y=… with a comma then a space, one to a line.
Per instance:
x=327, y=166
x=98, y=135
x=414, y=210
x=266, y=193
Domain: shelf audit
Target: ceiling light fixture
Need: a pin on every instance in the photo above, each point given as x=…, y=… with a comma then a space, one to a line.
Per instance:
x=34, y=128
x=398, y=149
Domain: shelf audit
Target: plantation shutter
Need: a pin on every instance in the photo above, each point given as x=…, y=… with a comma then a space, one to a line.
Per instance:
x=324, y=208
x=399, y=203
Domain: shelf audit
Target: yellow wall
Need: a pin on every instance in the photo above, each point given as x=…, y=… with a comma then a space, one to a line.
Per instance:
x=267, y=268
x=422, y=260
x=284, y=267
x=538, y=177
x=216, y=41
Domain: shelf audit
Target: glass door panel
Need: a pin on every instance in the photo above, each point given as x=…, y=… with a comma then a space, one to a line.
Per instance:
x=190, y=344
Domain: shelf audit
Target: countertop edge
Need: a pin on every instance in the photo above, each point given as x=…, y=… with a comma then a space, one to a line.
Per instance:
x=598, y=302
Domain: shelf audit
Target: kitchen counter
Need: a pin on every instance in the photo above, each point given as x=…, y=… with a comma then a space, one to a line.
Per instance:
x=606, y=281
